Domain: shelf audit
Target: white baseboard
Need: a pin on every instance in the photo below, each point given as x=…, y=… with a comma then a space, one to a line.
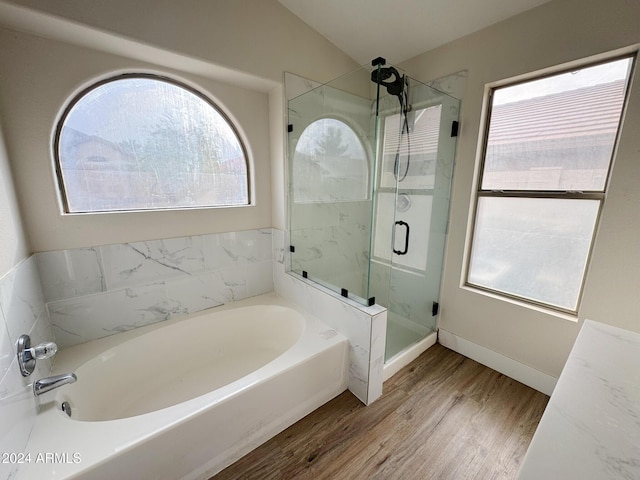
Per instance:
x=512, y=368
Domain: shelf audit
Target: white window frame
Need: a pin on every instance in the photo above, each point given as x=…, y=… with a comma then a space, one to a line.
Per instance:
x=478, y=192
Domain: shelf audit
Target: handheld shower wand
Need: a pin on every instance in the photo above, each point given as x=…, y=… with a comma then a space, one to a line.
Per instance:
x=397, y=85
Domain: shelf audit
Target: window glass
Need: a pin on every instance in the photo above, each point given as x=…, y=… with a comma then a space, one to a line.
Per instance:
x=535, y=248
x=143, y=142
x=556, y=133
x=547, y=156
x=411, y=159
x=329, y=164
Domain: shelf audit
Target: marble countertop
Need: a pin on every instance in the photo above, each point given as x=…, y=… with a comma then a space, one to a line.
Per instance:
x=591, y=426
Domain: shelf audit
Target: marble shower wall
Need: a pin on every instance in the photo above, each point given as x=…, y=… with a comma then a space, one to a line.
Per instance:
x=22, y=310
x=332, y=243
x=96, y=292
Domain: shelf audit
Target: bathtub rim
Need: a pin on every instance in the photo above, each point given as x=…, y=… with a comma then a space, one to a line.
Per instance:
x=79, y=396
x=154, y=424
x=71, y=358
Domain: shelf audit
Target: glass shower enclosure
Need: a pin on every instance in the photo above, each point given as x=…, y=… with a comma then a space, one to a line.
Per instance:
x=370, y=163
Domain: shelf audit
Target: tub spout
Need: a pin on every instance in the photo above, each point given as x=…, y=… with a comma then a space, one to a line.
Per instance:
x=49, y=383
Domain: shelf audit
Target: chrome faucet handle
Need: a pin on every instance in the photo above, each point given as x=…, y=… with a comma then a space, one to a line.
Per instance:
x=28, y=355
x=44, y=350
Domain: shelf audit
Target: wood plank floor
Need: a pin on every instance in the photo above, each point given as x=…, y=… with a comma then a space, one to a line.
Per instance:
x=444, y=416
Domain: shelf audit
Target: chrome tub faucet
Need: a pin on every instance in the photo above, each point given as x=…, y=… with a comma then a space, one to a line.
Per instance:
x=27, y=356
x=49, y=383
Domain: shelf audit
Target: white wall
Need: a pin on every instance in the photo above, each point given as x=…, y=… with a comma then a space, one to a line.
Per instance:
x=235, y=51
x=39, y=76
x=278, y=159
x=13, y=243
x=258, y=37
x=557, y=32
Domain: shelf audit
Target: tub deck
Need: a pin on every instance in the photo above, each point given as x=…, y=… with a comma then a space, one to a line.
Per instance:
x=199, y=437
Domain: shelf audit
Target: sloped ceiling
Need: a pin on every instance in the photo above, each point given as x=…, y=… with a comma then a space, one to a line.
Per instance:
x=401, y=29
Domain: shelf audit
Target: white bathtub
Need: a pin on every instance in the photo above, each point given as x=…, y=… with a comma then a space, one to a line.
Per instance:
x=187, y=398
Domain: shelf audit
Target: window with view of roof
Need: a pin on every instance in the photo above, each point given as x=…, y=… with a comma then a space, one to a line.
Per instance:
x=143, y=142
x=547, y=154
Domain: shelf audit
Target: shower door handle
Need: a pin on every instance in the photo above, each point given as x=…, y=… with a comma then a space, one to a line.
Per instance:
x=406, y=239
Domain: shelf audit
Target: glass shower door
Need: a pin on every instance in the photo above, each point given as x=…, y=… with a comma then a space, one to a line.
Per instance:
x=412, y=205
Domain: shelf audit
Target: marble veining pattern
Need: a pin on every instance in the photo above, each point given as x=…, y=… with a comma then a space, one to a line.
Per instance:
x=22, y=310
x=332, y=243
x=365, y=328
x=21, y=298
x=453, y=85
x=326, y=236
x=591, y=427
x=92, y=293
x=296, y=85
x=179, y=276
x=6, y=349
x=71, y=273
x=278, y=246
x=136, y=263
x=329, y=227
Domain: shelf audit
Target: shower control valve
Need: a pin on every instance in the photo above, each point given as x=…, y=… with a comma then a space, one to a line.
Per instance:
x=27, y=355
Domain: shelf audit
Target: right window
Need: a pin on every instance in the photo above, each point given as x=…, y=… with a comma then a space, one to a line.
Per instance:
x=547, y=153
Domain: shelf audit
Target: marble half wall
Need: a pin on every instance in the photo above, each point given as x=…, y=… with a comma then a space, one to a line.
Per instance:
x=95, y=292
x=22, y=310
x=365, y=327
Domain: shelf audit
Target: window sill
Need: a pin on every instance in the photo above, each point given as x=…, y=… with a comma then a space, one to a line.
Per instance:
x=537, y=308
x=156, y=210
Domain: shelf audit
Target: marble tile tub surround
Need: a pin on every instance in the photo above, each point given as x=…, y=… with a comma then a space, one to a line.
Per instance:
x=22, y=310
x=95, y=292
x=160, y=279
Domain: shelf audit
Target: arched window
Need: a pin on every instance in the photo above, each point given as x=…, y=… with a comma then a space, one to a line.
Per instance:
x=143, y=142
x=329, y=164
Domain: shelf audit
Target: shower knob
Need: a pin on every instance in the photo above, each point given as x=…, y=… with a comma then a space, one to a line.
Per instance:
x=27, y=355
x=403, y=202
x=44, y=350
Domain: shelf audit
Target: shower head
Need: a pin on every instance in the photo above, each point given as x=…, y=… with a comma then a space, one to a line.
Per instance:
x=385, y=74
x=390, y=78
